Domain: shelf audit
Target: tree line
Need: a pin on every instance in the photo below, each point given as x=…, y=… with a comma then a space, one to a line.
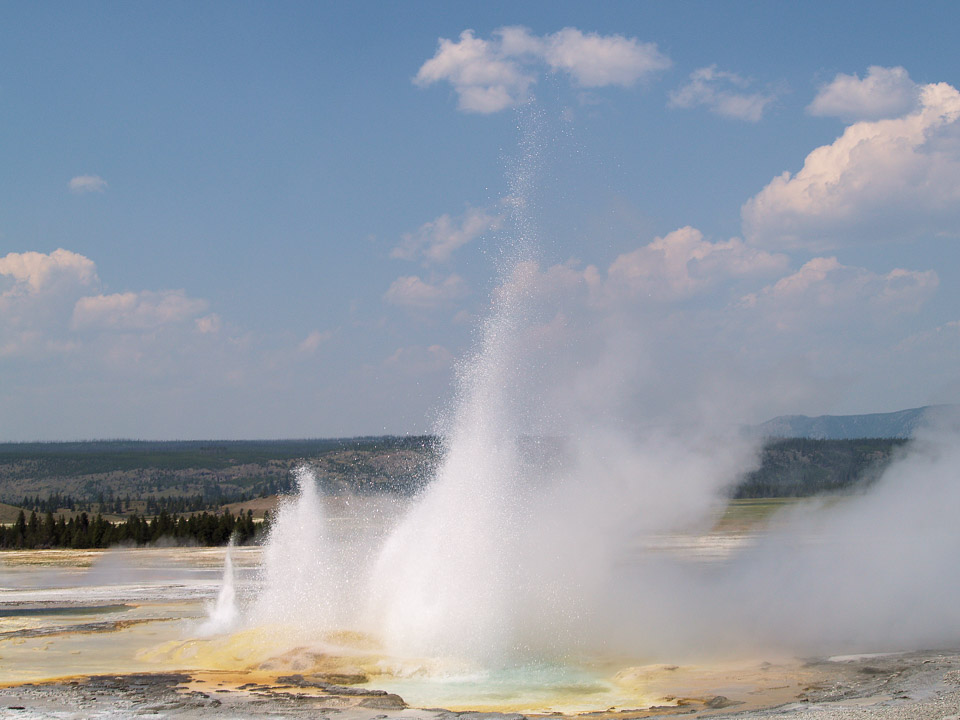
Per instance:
x=801, y=467
x=149, y=505
x=84, y=531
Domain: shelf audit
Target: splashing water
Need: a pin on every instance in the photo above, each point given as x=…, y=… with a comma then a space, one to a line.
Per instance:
x=298, y=584
x=447, y=579
x=222, y=614
x=500, y=560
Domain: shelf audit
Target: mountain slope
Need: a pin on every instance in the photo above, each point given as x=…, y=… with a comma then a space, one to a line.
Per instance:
x=900, y=424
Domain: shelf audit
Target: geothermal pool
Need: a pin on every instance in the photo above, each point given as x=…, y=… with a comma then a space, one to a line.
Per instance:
x=66, y=613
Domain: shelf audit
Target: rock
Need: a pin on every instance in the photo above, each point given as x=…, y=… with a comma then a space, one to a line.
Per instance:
x=343, y=678
x=388, y=701
x=719, y=701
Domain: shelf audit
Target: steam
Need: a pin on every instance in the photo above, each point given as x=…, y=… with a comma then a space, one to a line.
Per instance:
x=532, y=547
x=509, y=553
x=529, y=543
x=876, y=572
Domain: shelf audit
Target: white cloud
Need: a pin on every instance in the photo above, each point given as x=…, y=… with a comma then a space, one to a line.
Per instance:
x=87, y=183
x=51, y=306
x=412, y=292
x=824, y=293
x=723, y=93
x=314, y=340
x=675, y=267
x=681, y=320
x=894, y=179
x=599, y=60
x=485, y=79
x=34, y=272
x=436, y=240
x=883, y=93
x=682, y=263
x=37, y=291
x=137, y=311
x=492, y=75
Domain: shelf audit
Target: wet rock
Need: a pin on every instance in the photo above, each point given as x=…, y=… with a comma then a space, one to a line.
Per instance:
x=320, y=682
x=343, y=678
x=719, y=701
x=387, y=701
x=137, y=681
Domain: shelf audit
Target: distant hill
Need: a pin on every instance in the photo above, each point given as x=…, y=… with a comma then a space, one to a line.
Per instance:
x=901, y=424
x=8, y=514
x=184, y=476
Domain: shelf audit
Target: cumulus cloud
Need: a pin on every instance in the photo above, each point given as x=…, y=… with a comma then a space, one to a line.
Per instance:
x=682, y=263
x=492, y=75
x=436, y=241
x=86, y=184
x=887, y=180
x=485, y=79
x=883, y=93
x=33, y=272
x=412, y=292
x=676, y=267
x=143, y=310
x=594, y=60
x=723, y=93
x=38, y=290
x=52, y=305
x=712, y=319
x=825, y=292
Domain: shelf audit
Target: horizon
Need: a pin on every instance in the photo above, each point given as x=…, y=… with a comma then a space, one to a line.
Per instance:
x=396, y=436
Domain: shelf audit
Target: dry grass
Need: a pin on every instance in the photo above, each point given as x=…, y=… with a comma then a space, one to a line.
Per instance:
x=8, y=514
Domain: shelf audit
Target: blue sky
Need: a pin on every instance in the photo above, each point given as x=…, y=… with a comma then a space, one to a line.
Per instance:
x=225, y=220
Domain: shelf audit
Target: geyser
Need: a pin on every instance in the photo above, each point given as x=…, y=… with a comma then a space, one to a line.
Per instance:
x=299, y=583
x=222, y=614
x=527, y=548
x=509, y=554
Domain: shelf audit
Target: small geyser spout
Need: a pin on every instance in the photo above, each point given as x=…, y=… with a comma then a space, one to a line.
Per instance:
x=222, y=614
x=298, y=583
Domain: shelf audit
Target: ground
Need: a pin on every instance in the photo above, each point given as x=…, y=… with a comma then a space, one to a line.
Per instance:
x=905, y=686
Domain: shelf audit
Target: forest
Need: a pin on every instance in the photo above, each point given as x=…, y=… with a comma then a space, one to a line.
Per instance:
x=98, y=494
x=81, y=531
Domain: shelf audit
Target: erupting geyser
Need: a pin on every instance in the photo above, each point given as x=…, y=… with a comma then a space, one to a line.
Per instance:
x=530, y=544
x=300, y=581
x=222, y=614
